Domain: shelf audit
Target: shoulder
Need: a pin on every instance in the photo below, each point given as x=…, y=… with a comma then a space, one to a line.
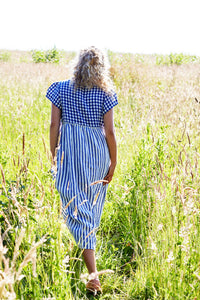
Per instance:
x=54, y=85
x=57, y=88
x=53, y=90
x=64, y=84
x=67, y=85
x=111, y=95
x=106, y=93
x=98, y=92
x=53, y=94
x=110, y=101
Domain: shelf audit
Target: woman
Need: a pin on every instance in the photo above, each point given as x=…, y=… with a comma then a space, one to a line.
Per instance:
x=87, y=151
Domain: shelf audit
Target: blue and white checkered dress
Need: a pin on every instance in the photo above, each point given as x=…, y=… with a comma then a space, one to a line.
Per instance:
x=82, y=157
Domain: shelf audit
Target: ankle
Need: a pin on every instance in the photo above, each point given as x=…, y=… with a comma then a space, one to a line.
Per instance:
x=93, y=275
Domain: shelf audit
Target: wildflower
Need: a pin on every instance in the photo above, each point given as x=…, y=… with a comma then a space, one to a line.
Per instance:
x=66, y=260
x=170, y=257
x=153, y=246
x=173, y=210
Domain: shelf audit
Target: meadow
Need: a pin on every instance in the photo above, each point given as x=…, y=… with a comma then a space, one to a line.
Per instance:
x=148, y=241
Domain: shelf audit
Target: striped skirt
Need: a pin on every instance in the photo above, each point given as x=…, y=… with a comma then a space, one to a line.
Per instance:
x=82, y=161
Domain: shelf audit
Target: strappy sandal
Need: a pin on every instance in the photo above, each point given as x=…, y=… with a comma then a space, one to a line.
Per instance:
x=94, y=287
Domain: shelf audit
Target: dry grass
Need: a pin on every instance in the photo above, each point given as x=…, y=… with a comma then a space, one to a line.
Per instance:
x=9, y=272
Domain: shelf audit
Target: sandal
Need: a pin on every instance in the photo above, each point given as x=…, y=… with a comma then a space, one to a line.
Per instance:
x=93, y=286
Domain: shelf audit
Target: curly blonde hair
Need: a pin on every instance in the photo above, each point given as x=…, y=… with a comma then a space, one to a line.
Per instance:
x=92, y=70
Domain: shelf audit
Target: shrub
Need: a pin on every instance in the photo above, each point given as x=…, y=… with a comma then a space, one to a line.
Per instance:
x=5, y=56
x=175, y=58
x=52, y=55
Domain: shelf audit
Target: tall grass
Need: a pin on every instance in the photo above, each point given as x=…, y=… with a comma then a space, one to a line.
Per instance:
x=149, y=234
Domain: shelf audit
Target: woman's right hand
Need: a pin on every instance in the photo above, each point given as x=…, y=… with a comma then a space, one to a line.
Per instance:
x=110, y=174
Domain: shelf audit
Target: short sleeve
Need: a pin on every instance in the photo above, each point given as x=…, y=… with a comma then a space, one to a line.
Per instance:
x=53, y=94
x=109, y=102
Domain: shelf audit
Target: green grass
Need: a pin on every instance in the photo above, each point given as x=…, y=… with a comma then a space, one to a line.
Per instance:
x=149, y=234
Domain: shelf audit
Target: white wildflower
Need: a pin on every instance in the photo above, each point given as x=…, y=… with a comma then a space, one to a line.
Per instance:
x=66, y=260
x=170, y=257
x=173, y=210
x=160, y=226
x=153, y=246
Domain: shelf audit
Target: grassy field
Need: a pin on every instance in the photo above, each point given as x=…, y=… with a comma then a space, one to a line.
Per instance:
x=150, y=231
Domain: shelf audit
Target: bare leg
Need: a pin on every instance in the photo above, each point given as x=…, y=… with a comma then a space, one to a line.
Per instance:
x=93, y=284
x=90, y=261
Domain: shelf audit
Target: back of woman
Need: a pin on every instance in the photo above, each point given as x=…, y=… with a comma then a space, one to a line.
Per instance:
x=86, y=154
x=81, y=105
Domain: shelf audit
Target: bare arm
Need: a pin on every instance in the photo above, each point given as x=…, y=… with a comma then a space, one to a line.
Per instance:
x=111, y=142
x=54, y=128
